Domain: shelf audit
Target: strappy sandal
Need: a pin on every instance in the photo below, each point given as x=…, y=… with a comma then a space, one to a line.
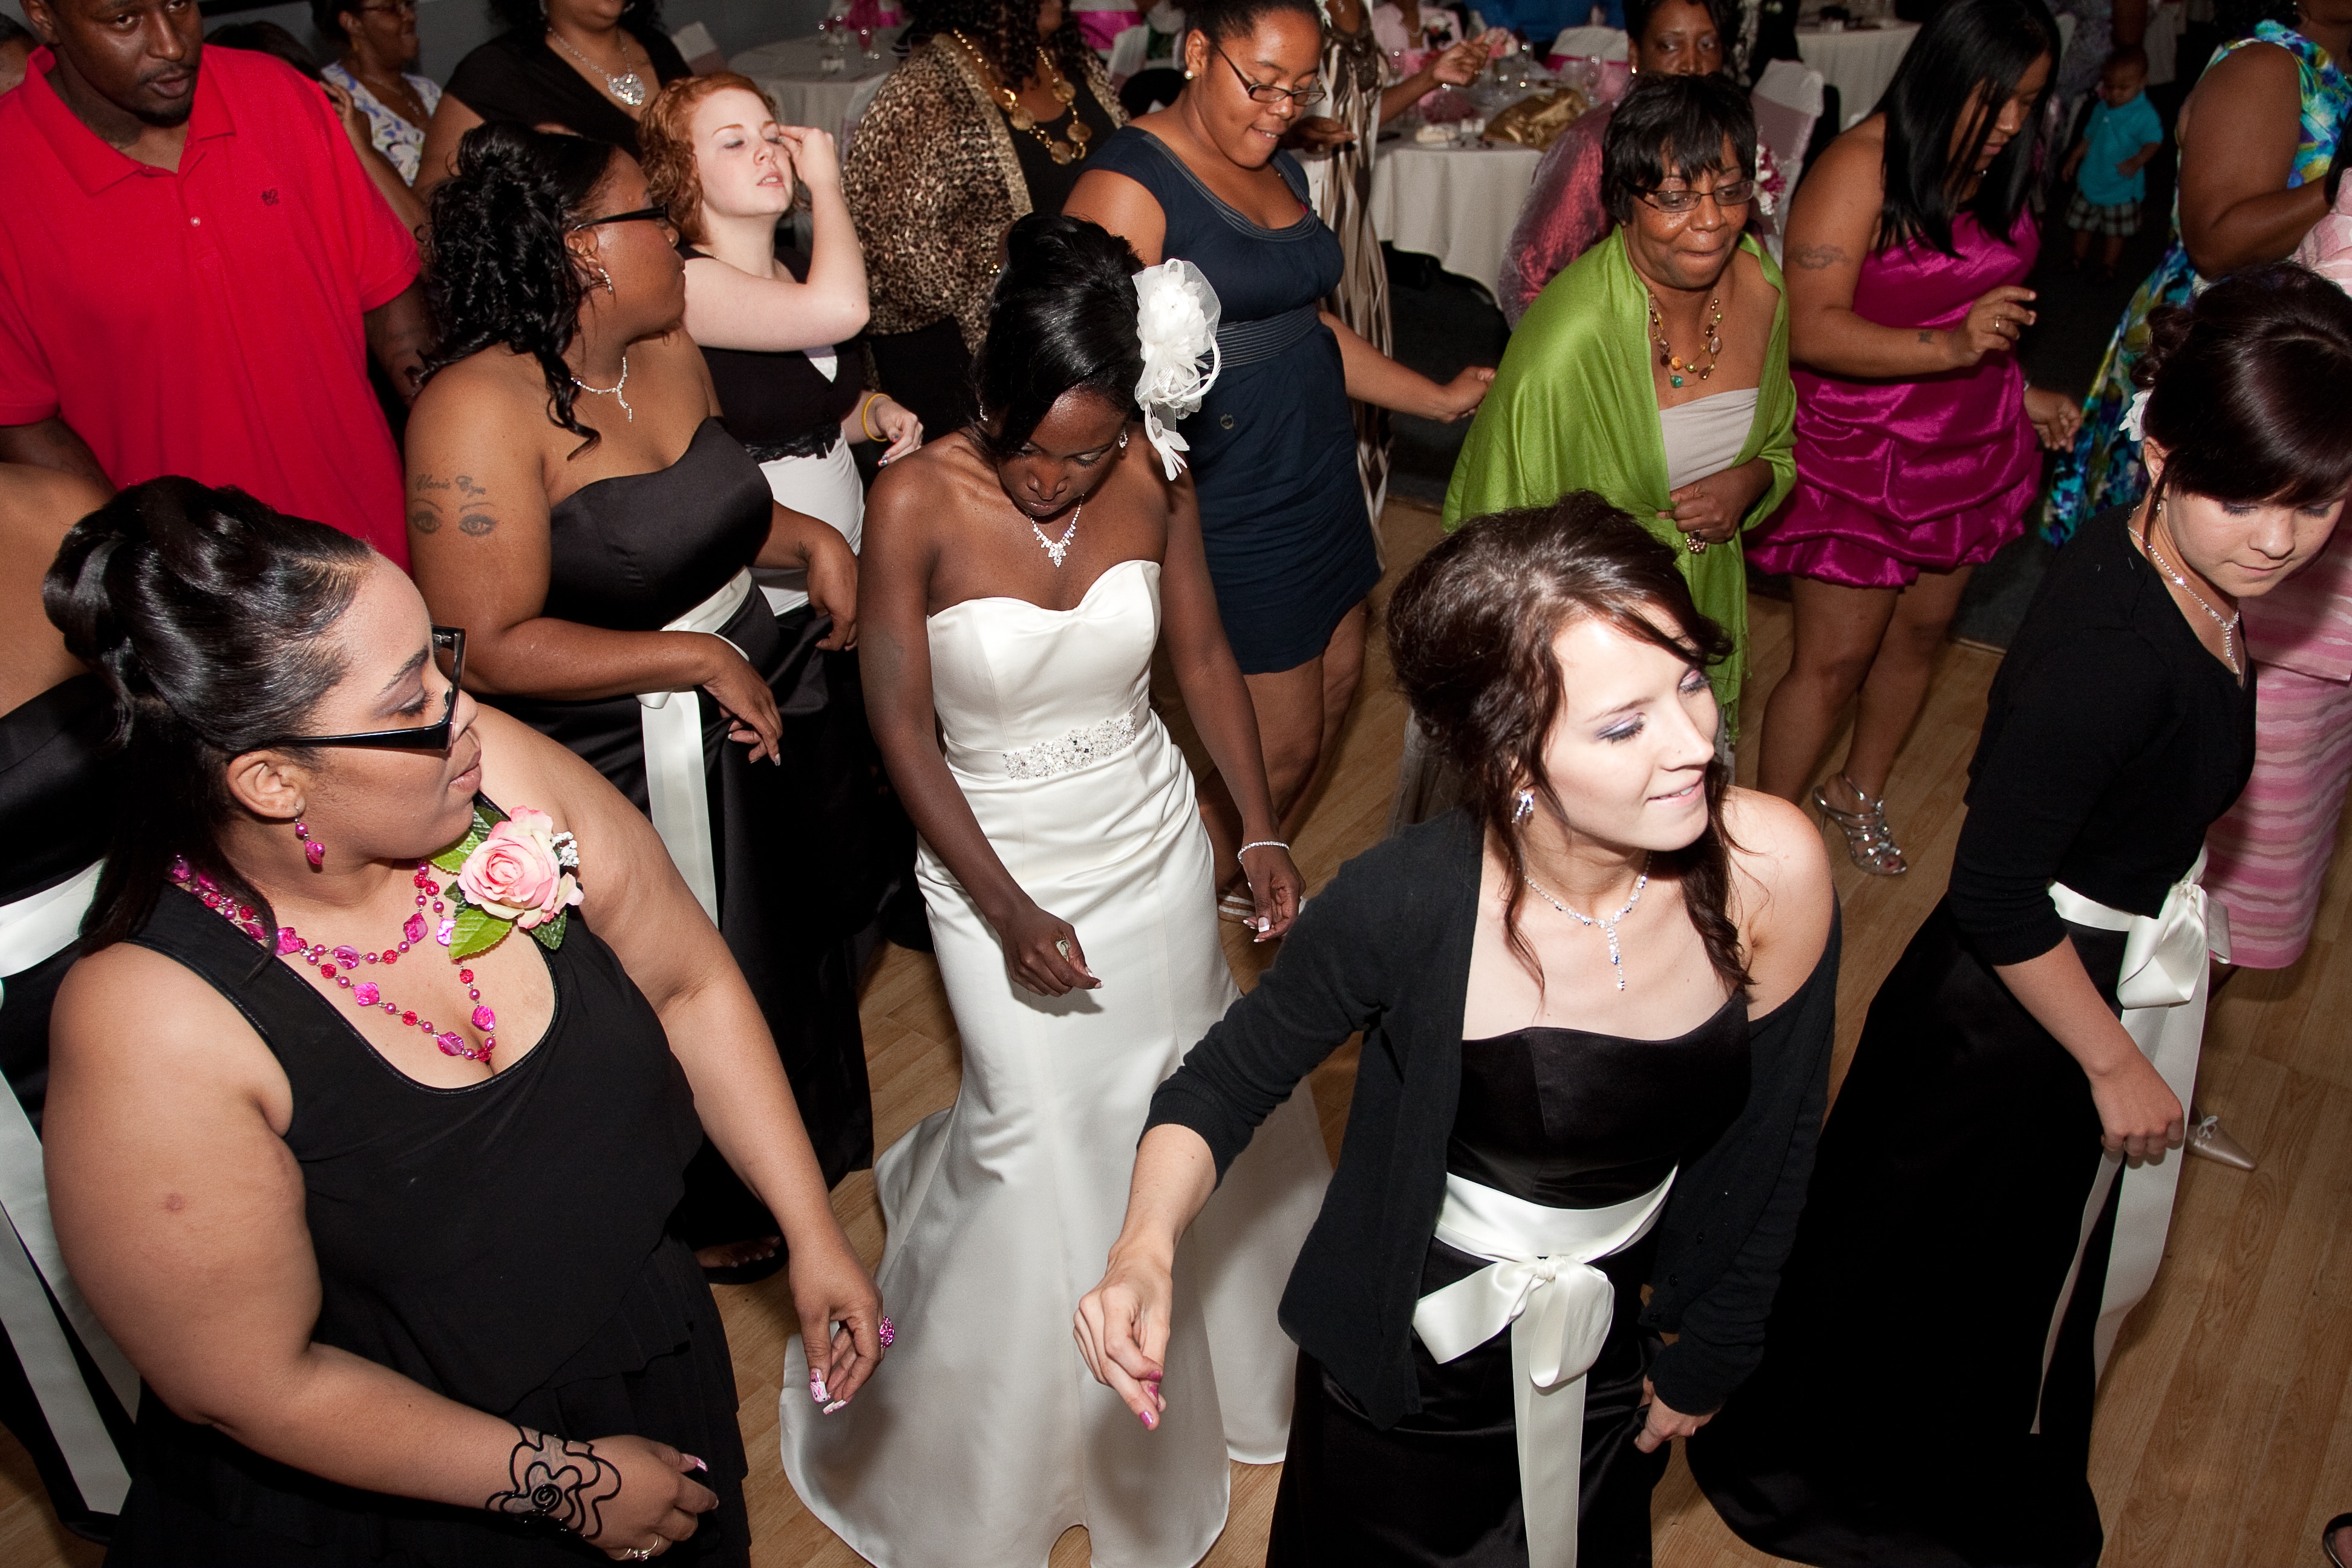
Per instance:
x=1867, y=838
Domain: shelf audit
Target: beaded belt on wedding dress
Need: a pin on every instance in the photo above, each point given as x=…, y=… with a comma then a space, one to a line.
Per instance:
x=1067, y=753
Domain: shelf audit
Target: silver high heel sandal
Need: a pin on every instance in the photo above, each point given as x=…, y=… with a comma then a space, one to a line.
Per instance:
x=1867, y=838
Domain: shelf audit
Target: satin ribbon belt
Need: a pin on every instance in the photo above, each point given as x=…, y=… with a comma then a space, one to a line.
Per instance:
x=675, y=789
x=1540, y=1284
x=32, y=1269
x=2163, y=996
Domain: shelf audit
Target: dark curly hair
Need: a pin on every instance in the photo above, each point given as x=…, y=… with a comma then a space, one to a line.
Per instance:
x=639, y=17
x=1005, y=32
x=1062, y=319
x=498, y=271
x=1470, y=632
x=208, y=616
x=2244, y=388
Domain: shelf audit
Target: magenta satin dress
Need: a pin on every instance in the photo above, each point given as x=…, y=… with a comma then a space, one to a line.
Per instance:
x=1896, y=477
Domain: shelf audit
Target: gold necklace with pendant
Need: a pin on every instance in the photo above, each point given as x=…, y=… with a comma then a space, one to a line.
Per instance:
x=1676, y=365
x=1074, y=151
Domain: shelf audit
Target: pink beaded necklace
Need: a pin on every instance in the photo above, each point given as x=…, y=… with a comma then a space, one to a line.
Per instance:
x=341, y=963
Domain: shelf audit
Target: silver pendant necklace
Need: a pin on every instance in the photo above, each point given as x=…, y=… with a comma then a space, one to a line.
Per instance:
x=1057, y=548
x=1605, y=924
x=613, y=391
x=2229, y=627
x=628, y=87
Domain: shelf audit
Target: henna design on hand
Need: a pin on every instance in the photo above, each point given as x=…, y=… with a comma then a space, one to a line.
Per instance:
x=557, y=1479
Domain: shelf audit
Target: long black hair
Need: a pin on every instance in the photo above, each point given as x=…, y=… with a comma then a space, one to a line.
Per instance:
x=208, y=616
x=1004, y=31
x=2246, y=389
x=498, y=271
x=1470, y=633
x=1063, y=318
x=639, y=17
x=1969, y=59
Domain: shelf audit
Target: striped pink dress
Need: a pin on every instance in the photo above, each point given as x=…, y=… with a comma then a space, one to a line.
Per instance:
x=2269, y=854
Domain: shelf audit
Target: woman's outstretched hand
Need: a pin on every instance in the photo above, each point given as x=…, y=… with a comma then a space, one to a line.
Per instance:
x=1276, y=887
x=1122, y=1331
x=1460, y=398
x=2054, y=417
x=832, y=1292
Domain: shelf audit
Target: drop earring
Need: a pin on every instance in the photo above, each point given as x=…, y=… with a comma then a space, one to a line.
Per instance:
x=313, y=851
x=606, y=279
x=1525, y=809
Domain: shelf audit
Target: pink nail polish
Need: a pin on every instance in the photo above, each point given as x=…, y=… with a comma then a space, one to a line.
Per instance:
x=816, y=1390
x=1150, y=1422
x=834, y=1405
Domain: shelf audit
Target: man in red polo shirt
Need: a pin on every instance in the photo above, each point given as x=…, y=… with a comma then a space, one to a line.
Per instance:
x=194, y=269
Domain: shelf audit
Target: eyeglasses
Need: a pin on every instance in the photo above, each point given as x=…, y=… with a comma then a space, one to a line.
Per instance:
x=1737, y=194
x=1267, y=92
x=642, y=214
x=449, y=659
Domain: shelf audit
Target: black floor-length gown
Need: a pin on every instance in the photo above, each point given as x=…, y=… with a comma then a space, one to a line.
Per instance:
x=55, y=789
x=632, y=553
x=1566, y=1118
x=1902, y=1414
x=504, y=1243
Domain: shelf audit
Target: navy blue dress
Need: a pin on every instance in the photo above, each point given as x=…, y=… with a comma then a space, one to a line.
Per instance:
x=1274, y=447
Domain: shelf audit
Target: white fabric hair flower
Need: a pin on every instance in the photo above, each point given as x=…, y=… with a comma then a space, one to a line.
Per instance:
x=2136, y=414
x=1176, y=317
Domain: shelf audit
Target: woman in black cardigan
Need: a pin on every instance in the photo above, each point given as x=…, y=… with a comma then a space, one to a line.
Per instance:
x=1597, y=1005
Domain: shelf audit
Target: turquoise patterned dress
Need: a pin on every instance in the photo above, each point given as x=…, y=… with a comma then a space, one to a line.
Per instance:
x=2104, y=469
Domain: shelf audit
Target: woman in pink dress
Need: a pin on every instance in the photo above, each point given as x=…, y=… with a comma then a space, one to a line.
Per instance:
x=1915, y=431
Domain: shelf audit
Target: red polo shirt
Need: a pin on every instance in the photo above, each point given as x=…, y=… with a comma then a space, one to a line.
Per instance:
x=205, y=321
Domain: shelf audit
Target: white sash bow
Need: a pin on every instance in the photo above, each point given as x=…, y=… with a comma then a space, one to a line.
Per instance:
x=1541, y=1285
x=32, y=1269
x=2162, y=991
x=676, y=793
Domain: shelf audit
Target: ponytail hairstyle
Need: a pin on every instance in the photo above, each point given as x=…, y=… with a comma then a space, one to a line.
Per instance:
x=498, y=273
x=1470, y=632
x=1063, y=318
x=1968, y=58
x=210, y=617
x=2244, y=389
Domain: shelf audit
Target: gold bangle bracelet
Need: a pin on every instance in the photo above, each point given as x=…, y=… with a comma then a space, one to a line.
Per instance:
x=871, y=433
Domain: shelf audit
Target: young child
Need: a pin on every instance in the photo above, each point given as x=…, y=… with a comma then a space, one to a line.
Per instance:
x=2108, y=165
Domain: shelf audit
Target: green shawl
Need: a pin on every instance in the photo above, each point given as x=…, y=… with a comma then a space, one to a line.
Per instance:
x=1573, y=407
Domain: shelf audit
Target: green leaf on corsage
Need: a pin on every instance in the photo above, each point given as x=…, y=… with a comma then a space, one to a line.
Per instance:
x=476, y=930
x=549, y=935
x=453, y=859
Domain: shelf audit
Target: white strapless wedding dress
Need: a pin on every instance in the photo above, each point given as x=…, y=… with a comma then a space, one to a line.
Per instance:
x=983, y=1436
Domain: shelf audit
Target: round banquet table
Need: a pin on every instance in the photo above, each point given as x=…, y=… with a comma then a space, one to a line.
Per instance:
x=1859, y=62
x=791, y=72
x=1457, y=203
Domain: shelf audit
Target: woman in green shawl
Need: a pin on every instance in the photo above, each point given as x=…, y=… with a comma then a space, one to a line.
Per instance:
x=1655, y=370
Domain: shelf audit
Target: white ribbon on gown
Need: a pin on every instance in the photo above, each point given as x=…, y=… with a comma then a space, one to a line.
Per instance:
x=2162, y=989
x=1539, y=1283
x=678, y=792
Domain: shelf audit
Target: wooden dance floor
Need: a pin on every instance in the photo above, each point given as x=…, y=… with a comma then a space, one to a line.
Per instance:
x=2224, y=1434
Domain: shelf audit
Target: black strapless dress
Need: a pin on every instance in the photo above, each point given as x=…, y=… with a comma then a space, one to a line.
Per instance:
x=56, y=804
x=634, y=553
x=1565, y=1119
x=562, y=1306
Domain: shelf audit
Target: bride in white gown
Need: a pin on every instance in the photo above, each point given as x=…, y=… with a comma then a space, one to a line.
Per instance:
x=1015, y=583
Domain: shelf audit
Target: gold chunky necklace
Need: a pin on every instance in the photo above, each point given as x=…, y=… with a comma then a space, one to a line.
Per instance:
x=1676, y=367
x=1074, y=151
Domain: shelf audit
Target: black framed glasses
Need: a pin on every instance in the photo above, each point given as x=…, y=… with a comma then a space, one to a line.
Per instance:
x=642, y=214
x=449, y=659
x=1677, y=204
x=1267, y=91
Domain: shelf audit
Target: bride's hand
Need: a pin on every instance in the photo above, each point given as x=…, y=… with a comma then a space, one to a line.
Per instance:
x=1276, y=887
x=1042, y=952
x=1122, y=1331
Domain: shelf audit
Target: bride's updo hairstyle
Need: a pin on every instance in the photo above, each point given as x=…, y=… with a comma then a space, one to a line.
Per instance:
x=497, y=271
x=1063, y=318
x=1470, y=633
x=2246, y=389
x=209, y=616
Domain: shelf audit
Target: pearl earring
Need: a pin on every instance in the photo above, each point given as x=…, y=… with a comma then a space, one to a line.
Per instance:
x=1188, y=75
x=1526, y=807
x=313, y=851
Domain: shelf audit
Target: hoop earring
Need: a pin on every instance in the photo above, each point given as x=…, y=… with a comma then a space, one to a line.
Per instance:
x=313, y=851
x=1525, y=809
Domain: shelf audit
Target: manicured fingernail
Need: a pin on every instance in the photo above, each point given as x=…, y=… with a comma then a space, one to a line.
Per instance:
x=698, y=1464
x=816, y=1391
x=1150, y=1422
x=837, y=1405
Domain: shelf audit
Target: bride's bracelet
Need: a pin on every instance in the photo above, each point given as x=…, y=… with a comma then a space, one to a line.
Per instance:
x=1261, y=844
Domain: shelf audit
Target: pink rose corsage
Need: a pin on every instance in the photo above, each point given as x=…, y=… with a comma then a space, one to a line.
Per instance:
x=515, y=873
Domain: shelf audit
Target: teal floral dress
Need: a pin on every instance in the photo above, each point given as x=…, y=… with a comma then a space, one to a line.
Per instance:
x=2104, y=469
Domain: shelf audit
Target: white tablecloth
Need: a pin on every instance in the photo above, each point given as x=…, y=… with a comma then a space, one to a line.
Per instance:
x=791, y=74
x=1858, y=62
x=1456, y=203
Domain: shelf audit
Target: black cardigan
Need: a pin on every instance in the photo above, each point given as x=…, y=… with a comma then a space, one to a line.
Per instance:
x=1386, y=949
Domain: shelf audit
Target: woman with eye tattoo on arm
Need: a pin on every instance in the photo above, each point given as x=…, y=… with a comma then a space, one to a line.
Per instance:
x=576, y=504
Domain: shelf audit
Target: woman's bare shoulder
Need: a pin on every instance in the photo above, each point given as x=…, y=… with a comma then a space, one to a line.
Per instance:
x=1775, y=848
